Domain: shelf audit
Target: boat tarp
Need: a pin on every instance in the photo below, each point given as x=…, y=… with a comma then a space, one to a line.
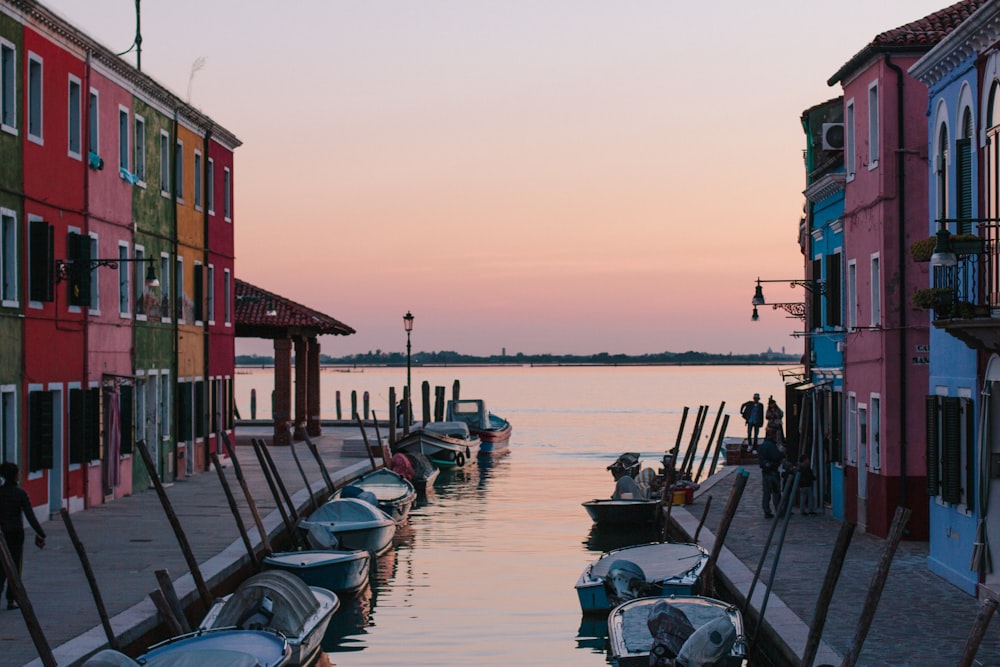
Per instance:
x=454, y=429
x=659, y=561
x=292, y=602
x=208, y=657
x=109, y=658
x=636, y=634
x=346, y=510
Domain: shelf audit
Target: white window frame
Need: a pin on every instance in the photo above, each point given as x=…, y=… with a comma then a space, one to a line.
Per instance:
x=873, y=125
x=139, y=253
x=876, y=289
x=74, y=118
x=210, y=191
x=164, y=163
x=179, y=170
x=227, y=194
x=852, y=295
x=9, y=269
x=179, y=290
x=9, y=442
x=852, y=428
x=139, y=144
x=227, y=285
x=124, y=147
x=94, y=122
x=124, y=281
x=875, y=431
x=850, y=140
x=35, y=108
x=210, y=294
x=8, y=87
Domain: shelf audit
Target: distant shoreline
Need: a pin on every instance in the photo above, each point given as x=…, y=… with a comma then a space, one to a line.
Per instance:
x=350, y=367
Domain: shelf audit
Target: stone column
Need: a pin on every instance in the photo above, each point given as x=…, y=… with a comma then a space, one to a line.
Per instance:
x=301, y=384
x=281, y=403
x=313, y=427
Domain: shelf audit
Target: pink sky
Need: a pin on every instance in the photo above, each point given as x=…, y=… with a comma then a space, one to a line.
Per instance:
x=564, y=176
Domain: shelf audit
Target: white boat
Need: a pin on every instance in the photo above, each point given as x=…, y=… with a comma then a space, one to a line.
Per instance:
x=394, y=493
x=343, y=572
x=228, y=647
x=493, y=430
x=447, y=444
x=351, y=524
x=698, y=630
x=643, y=570
x=280, y=601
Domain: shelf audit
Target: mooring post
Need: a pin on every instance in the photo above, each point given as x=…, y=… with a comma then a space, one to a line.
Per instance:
x=826, y=593
x=719, y=444
x=88, y=571
x=235, y=510
x=264, y=539
x=708, y=583
x=322, y=467
x=271, y=484
x=711, y=439
x=27, y=611
x=170, y=596
x=704, y=515
x=983, y=617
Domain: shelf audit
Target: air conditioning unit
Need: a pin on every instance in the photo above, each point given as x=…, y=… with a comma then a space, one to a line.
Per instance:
x=833, y=136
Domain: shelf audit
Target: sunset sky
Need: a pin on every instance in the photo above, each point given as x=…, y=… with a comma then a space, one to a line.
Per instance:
x=564, y=176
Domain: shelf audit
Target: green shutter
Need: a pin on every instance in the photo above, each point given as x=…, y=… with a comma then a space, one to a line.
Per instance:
x=77, y=432
x=93, y=419
x=40, y=419
x=970, y=452
x=933, y=445
x=951, y=450
x=127, y=417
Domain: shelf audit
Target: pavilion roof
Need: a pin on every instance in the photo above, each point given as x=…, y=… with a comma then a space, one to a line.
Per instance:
x=253, y=305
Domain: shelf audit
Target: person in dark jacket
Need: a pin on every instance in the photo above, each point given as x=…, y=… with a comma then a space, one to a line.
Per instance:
x=753, y=414
x=769, y=458
x=14, y=503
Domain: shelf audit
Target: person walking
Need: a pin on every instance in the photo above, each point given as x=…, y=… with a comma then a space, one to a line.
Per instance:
x=753, y=414
x=807, y=497
x=774, y=415
x=14, y=502
x=769, y=458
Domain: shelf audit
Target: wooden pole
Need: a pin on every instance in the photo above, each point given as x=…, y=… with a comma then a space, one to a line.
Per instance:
x=438, y=403
x=264, y=539
x=711, y=439
x=337, y=401
x=292, y=512
x=305, y=480
x=235, y=510
x=456, y=387
x=425, y=400
x=392, y=417
x=322, y=467
x=354, y=401
x=735, y=495
x=364, y=436
x=170, y=595
x=384, y=448
x=680, y=435
x=704, y=515
x=365, y=403
x=27, y=611
x=877, y=584
x=784, y=503
x=986, y=610
x=692, y=442
x=173, y=623
x=826, y=593
x=88, y=571
x=192, y=562
x=692, y=450
x=289, y=524
x=719, y=444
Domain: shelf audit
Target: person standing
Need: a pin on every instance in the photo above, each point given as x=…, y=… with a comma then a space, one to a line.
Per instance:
x=753, y=414
x=774, y=415
x=14, y=502
x=769, y=458
x=807, y=497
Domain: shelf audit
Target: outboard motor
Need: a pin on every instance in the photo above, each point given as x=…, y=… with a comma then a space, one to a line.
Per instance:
x=624, y=579
x=670, y=628
x=627, y=463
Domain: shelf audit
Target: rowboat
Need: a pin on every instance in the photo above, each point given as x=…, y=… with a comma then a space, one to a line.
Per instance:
x=622, y=511
x=493, y=430
x=642, y=570
x=220, y=648
x=697, y=630
x=282, y=602
x=343, y=572
x=447, y=444
x=395, y=494
x=350, y=524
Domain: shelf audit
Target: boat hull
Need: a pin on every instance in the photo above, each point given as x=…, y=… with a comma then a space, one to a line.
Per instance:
x=343, y=572
x=622, y=511
x=349, y=524
x=443, y=451
x=395, y=494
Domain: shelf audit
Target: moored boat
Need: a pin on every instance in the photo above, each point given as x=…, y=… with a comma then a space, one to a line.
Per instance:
x=227, y=647
x=395, y=495
x=697, y=630
x=622, y=511
x=643, y=570
x=447, y=444
x=493, y=430
x=279, y=601
x=343, y=572
x=351, y=524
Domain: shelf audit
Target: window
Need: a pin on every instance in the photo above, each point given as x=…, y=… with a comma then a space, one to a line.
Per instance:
x=873, y=125
x=875, y=429
x=95, y=284
x=834, y=305
x=164, y=417
x=84, y=425
x=8, y=87
x=41, y=242
x=210, y=192
x=850, y=158
x=197, y=180
x=41, y=434
x=852, y=295
x=179, y=290
x=227, y=194
x=852, y=428
x=992, y=157
x=123, y=147
x=141, y=268
x=9, y=450
x=140, y=149
x=941, y=173
x=228, y=305
x=164, y=163
x=140, y=408
x=963, y=174
x=210, y=291
x=124, y=281
x=75, y=116
x=165, y=287
x=93, y=123
x=876, y=291
x=179, y=167
x=34, y=100
x=199, y=293
x=950, y=428
x=8, y=257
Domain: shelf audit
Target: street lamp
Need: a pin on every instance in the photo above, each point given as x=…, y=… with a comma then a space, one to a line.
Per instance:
x=794, y=309
x=408, y=325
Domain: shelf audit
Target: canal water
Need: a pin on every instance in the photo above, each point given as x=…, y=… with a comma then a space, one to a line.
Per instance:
x=483, y=573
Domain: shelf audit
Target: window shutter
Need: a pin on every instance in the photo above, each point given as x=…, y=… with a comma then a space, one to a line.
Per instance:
x=77, y=431
x=833, y=305
x=199, y=409
x=93, y=418
x=40, y=241
x=951, y=453
x=126, y=415
x=40, y=430
x=199, y=295
x=963, y=169
x=933, y=446
x=184, y=411
x=78, y=247
x=970, y=451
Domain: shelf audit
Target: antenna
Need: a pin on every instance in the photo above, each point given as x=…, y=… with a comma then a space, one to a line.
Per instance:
x=198, y=64
x=137, y=42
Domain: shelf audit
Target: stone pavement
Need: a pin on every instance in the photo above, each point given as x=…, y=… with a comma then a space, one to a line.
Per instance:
x=921, y=620
x=127, y=540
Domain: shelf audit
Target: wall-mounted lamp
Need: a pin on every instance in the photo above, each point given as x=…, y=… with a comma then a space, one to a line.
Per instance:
x=64, y=267
x=794, y=309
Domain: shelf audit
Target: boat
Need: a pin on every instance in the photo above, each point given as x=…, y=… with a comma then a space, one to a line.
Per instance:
x=343, y=572
x=424, y=472
x=394, y=493
x=701, y=630
x=279, y=601
x=447, y=444
x=631, y=511
x=493, y=431
x=227, y=647
x=349, y=524
x=642, y=570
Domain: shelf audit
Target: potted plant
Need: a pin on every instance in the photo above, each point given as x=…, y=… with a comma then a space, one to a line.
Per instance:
x=939, y=299
x=967, y=244
x=922, y=250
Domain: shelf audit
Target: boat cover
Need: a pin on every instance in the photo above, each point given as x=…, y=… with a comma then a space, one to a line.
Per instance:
x=455, y=429
x=347, y=510
x=670, y=628
x=401, y=465
x=659, y=561
x=352, y=491
x=291, y=602
x=209, y=657
x=708, y=643
x=219, y=648
x=109, y=658
x=637, y=622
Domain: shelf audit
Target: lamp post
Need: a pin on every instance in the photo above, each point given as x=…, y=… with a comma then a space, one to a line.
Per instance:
x=408, y=325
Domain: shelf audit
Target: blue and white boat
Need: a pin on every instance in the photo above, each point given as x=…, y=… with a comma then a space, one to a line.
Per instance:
x=492, y=430
x=279, y=601
x=350, y=524
x=643, y=570
x=394, y=493
x=228, y=647
x=343, y=572
x=447, y=444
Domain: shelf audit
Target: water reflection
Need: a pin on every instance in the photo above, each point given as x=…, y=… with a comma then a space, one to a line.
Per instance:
x=606, y=538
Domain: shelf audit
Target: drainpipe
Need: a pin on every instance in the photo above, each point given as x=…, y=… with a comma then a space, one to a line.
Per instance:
x=207, y=387
x=178, y=304
x=901, y=203
x=85, y=314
